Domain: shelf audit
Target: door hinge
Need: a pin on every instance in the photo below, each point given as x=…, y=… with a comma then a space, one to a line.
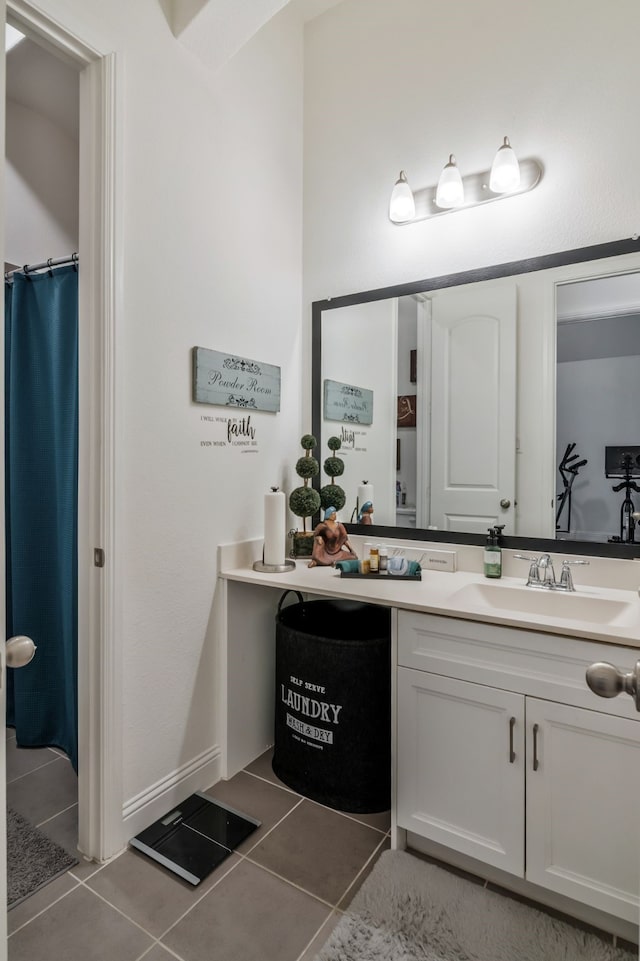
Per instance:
x=98, y=557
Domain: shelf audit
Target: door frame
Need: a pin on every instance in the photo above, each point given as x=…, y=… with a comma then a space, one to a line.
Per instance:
x=99, y=585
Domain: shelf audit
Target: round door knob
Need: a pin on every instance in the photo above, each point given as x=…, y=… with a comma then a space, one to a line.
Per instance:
x=605, y=680
x=505, y=504
x=19, y=650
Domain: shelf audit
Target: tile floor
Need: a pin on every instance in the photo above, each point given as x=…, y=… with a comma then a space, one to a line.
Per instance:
x=276, y=899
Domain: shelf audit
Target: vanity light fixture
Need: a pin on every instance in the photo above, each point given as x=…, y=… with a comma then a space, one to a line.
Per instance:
x=506, y=178
x=402, y=208
x=505, y=170
x=450, y=190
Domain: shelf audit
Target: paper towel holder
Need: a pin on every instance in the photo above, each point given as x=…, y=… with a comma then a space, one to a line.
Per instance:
x=263, y=568
x=273, y=568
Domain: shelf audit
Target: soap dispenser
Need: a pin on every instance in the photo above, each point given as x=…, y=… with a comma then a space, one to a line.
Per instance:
x=493, y=552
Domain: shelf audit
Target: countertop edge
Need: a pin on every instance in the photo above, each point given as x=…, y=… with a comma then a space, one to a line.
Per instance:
x=433, y=595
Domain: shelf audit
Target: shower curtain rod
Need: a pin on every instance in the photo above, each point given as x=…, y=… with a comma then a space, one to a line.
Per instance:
x=30, y=268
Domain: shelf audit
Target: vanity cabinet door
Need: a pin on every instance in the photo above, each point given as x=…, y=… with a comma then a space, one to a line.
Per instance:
x=582, y=805
x=460, y=773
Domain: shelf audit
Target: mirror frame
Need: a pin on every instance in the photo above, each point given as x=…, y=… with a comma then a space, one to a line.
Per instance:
x=561, y=259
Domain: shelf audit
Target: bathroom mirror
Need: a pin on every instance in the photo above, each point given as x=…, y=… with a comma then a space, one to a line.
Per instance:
x=459, y=373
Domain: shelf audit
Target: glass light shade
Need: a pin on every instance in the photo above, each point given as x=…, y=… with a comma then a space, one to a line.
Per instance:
x=505, y=170
x=450, y=191
x=402, y=207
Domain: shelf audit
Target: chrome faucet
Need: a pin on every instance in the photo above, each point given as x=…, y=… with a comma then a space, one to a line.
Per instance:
x=542, y=574
x=566, y=578
x=546, y=573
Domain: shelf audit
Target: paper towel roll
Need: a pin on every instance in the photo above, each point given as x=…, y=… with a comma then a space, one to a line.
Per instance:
x=365, y=493
x=274, y=527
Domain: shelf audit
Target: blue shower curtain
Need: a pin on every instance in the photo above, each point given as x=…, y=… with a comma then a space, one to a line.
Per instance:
x=41, y=508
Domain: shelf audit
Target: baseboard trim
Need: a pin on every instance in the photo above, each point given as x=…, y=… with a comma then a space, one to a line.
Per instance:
x=196, y=775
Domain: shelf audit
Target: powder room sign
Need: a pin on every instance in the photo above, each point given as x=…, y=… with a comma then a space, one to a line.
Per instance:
x=231, y=381
x=348, y=404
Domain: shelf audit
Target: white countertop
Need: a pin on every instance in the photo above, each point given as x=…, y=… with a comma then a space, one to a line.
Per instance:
x=594, y=613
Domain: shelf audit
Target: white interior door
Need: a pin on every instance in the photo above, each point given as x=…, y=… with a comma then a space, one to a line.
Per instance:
x=473, y=408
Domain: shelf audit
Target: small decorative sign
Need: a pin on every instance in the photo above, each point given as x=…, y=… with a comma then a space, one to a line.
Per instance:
x=231, y=381
x=407, y=410
x=348, y=404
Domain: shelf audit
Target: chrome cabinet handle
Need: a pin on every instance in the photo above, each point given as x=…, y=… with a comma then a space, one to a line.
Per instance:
x=606, y=680
x=536, y=763
x=512, y=753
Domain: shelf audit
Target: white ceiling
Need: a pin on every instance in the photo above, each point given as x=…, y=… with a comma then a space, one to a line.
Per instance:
x=40, y=81
x=587, y=299
x=214, y=30
x=310, y=9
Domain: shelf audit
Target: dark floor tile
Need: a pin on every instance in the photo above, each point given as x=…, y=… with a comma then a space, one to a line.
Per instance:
x=256, y=798
x=158, y=953
x=45, y=792
x=148, y=893
x=250, y=916
x=23, y=760
x=79, y=927
x=364, y=874
x=261, y=767
x=321, y=937
x=42, y=899
x=63, y=829
x=317, y=849
x=380, y=821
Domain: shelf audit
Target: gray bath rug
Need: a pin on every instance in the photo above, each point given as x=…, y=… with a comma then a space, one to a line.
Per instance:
x=33, y=859
x=410, y=910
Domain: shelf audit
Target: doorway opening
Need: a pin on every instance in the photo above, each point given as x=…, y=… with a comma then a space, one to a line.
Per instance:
x=99, y=653
x=41, y=223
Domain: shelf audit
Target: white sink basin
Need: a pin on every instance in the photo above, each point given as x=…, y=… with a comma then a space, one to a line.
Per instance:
x=562, y=606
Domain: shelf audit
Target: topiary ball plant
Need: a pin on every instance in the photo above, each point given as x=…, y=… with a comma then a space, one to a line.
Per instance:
x=332, y=495
x=305, y=501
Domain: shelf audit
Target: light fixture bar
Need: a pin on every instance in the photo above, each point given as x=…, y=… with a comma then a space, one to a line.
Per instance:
x=476, y=192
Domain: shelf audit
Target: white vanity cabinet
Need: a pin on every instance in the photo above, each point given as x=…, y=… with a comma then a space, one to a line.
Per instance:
x=503, y=754
x=457, y=784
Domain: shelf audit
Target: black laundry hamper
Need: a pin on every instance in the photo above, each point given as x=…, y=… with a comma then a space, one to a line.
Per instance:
x=333, y=703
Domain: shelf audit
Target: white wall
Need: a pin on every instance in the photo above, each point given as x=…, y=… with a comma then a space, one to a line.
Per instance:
x=598, y=402
x=41, y=188
x=367, y=335
x=400, y=85
x=211, y=216
x=211, y=222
